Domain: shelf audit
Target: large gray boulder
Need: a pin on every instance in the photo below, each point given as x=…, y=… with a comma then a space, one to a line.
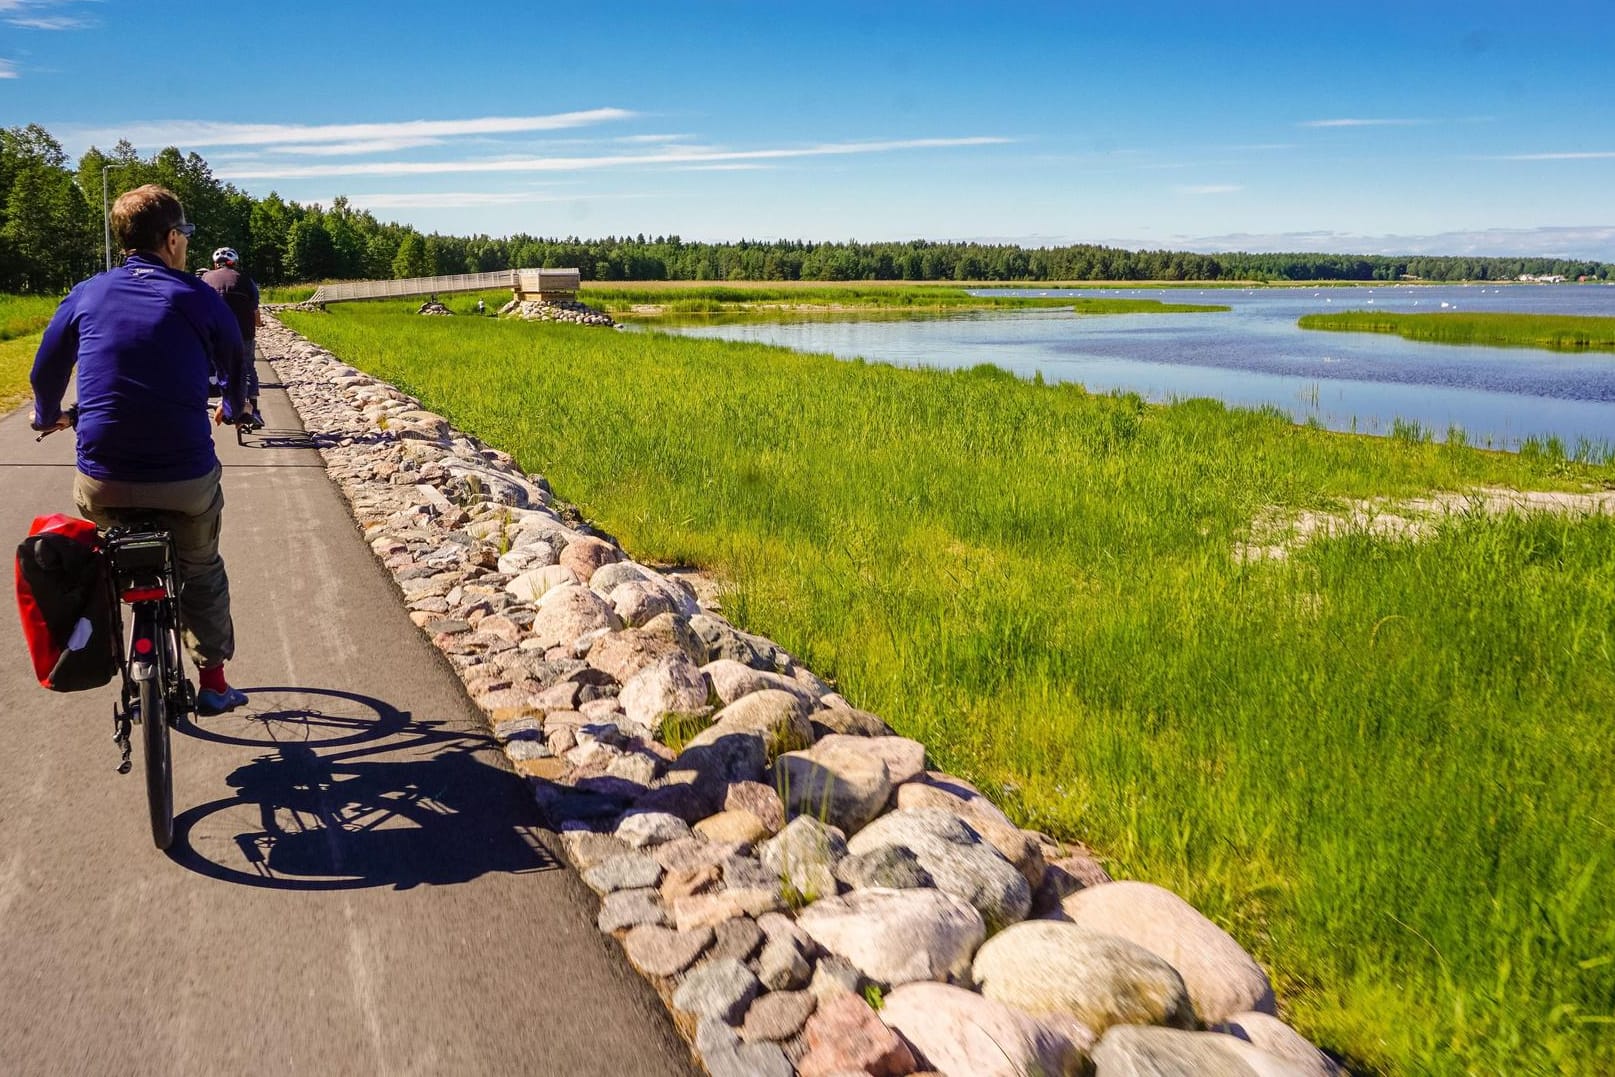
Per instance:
x=731, y=680
x=836, y=779
x=672, y=685
x=777, y=718
x=956, y=858
x=896, y=937
x=568, y=612
x=1046, y=967
x=609, y=576
x=1221, y=977
x=718, y=989
x=804, y=856
x=959, y=1032
x=1140, y=1051
x=723, y=640
x=1267, y=1033
x=532, y=584
x=937, y=790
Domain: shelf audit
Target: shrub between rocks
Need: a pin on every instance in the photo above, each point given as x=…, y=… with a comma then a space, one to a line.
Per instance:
x=794, y=853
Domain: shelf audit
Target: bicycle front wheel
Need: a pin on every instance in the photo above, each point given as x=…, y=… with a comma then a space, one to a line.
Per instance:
x=159, y=763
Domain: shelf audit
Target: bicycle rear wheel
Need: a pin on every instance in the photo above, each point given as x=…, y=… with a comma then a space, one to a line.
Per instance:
x=159, y=762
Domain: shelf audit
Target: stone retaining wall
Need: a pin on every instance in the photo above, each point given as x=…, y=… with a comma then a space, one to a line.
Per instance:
x=772, y=858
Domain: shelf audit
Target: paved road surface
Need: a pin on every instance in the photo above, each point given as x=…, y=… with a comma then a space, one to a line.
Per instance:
x=359, y=884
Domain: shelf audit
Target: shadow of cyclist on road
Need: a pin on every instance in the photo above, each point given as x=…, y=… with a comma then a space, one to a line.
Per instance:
x=400, y=803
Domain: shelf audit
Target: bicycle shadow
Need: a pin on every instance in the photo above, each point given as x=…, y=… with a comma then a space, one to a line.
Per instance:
x=277, y=439
x=354, y=793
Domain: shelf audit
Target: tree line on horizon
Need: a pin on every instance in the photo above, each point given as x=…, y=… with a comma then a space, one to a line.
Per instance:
x=51, y=237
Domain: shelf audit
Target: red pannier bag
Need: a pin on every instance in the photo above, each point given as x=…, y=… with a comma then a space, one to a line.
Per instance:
x=66, y=604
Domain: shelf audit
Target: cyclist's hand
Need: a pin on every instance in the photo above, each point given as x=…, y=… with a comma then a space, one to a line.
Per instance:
x=62, y=422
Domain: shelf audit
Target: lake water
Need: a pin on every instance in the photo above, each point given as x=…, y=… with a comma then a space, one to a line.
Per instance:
x=1255, y=355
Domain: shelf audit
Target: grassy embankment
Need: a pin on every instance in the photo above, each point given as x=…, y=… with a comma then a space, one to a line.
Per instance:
x=1557, y=332
x=22, y=319
x=1388, y=769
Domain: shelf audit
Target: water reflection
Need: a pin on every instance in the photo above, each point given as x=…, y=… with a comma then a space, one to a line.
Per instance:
x=1254, y=355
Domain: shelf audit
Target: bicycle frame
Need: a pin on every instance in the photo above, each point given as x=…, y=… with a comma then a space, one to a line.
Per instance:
x=155, y=690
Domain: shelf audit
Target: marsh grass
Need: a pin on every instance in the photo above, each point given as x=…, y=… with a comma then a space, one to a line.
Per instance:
x=723, y=299
x=1556, y=332
x=1387, y=768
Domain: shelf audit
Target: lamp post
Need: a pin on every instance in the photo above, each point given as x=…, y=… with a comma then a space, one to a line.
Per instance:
x=106, y=213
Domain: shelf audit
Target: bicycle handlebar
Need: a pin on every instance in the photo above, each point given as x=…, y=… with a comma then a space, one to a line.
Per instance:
x=71, y=415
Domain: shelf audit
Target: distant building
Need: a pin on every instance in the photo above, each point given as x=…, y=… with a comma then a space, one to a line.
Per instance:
x=1542, y=278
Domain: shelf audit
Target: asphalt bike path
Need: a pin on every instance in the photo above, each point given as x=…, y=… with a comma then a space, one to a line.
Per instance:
x=359, y=884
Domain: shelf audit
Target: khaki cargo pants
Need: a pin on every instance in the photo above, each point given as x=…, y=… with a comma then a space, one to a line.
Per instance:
x=192, y=512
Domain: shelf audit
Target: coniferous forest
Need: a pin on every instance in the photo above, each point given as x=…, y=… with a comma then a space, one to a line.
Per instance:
x=51, y=236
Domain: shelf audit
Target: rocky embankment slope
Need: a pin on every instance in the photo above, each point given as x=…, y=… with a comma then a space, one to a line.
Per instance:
x=808, y=896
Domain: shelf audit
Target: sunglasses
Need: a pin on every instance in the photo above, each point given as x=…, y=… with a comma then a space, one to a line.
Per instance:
x=184, y=228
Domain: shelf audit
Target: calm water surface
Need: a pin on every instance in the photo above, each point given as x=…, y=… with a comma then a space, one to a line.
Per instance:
x=1254, y=355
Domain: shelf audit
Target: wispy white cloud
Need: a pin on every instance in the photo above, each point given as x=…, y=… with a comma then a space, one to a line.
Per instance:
x=651, y=138
x=725, y=168
x=50, y=22
x=575, y=164
x=1352, y=122
x=21, y=14
x=450, y=199
x=354, y=149
x=8, y=70
x=1210, y=188
x=1583, y=155
x=469, y=199
x=204, y=133
x=1590, y=241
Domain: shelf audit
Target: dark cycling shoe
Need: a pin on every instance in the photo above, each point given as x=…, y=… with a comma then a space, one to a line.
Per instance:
x=255, y=421
x=209, y=703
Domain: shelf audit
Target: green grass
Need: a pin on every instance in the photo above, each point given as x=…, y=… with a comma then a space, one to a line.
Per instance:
x=286, y=293
x=1388, y=769
x=22, y=320
x=25, y=315
x=1558, y=332
x=16, y=360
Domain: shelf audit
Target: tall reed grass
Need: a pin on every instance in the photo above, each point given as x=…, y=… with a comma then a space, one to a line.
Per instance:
x=1388, y=768
x=1557, y=332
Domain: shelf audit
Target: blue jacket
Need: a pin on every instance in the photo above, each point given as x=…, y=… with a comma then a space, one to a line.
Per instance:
x=145, y=338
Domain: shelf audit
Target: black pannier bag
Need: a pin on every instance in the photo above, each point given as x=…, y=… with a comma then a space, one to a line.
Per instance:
x=65, y=601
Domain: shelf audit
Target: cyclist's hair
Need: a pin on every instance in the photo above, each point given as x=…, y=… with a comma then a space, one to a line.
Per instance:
x=141, y=218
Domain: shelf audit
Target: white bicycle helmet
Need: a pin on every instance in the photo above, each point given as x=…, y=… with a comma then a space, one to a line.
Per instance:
x=226, y=256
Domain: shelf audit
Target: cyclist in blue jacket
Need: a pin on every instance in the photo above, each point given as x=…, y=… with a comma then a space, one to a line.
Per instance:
x=145, y=337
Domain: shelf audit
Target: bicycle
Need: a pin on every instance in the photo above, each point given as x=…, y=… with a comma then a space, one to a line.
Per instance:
x=141, y=562
x=155, y=694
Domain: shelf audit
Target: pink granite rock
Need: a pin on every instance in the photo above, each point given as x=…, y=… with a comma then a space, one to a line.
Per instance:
x=845, y=1036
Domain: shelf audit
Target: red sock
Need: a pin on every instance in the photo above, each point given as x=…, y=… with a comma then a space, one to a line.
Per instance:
x=213, y=679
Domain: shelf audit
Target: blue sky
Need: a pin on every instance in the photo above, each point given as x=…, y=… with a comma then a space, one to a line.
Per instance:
x=1427, y=127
